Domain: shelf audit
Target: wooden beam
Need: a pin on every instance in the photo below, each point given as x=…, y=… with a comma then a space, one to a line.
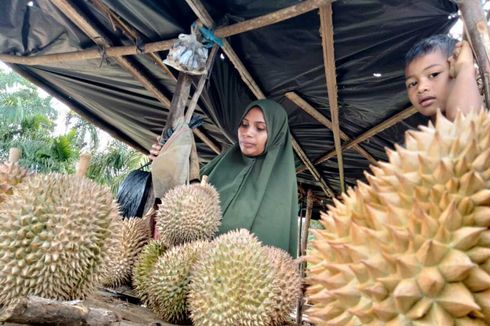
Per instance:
x=164, y=45
x=179, y=102
x=205, y=139
x=272, y=18
x=82, y=22
x=131, y=33
x=366, y=135
x=314, y=172
x=305, y=106
x=326, y=30
x=476, y=25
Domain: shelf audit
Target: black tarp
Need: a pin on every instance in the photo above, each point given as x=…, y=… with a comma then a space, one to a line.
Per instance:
x=371, y=38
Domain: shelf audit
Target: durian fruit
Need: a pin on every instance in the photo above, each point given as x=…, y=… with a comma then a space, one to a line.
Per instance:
x=54, y=237
x=11, y=174
x=188, y=213
x=170, y=281
x=133, y=237
x=143, y=268
x=288, y=283
x=233, y=284
x=412, y=246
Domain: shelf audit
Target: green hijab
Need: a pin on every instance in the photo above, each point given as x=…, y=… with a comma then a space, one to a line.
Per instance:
x=260, y=193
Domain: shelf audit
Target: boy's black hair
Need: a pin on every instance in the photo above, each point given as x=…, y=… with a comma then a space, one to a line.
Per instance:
x=440, y=42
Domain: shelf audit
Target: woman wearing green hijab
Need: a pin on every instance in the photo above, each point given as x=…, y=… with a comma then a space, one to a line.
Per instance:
x=256, y=178
x=258, y=190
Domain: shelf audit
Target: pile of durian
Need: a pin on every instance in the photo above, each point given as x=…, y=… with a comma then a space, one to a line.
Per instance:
x=62, y=236
x=187, y=276
x=412, y=246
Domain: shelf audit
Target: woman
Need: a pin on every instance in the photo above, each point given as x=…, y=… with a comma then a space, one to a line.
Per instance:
x=256, y=178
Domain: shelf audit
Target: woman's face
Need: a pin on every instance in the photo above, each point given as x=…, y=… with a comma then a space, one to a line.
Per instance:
x=252, y=133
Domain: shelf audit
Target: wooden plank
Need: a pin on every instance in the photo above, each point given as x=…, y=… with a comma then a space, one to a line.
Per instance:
x=164, y=44
x=326, y=30
x=476, y=26
x=98, y=38
x=305, y=106
x=179, y=102
x=366, y=135
x=314, y=172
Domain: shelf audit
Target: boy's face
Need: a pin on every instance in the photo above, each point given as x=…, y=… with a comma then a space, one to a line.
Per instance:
x=428, y=82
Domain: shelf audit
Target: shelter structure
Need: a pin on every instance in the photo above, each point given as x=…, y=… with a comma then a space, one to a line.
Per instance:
x=336, y=66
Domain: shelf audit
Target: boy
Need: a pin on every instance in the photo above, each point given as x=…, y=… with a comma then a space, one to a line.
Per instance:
x=440, y=74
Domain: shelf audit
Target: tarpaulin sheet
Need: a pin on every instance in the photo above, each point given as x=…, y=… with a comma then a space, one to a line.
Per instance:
x=370, y=40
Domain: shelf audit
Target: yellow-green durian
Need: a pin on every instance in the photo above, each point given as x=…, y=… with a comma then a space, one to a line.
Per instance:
x=233, y=283
x=143, y=268
x=134, y=234
x=412, y=246
x=11, y=174
x=287, y=281
x=188, y=213
x=54, y=237
x=170, y=280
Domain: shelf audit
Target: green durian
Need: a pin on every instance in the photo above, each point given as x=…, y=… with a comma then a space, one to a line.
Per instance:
x=54, y=237
x=233, y=283
x=134, y=236
x=188, y=213
x=170, y=281
x=143, y=268
x=412, y=246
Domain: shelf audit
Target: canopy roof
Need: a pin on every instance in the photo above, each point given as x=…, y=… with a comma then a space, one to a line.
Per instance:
x=129, y=96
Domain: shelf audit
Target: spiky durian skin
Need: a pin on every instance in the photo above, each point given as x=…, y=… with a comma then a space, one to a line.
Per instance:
x=133, y=237
x=412, y=247
x=287, y=281
x=233, y=283
x=53, y=237
x=188, y=213
x=170, y=280
x=144, y=267
x=11, y=174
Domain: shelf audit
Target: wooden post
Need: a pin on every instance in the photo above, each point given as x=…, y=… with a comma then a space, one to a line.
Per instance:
x=476, y=25
x=326, y=30
x=304, y=243
x=83, y=164
x=15, y=154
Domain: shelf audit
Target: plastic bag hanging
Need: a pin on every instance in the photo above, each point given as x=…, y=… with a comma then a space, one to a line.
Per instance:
x=188, y=54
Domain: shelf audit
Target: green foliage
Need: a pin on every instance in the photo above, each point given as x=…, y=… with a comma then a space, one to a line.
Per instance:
x=111, y=166
x=27, y=121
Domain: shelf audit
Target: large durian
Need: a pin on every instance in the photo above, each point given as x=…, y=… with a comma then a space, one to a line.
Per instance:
x=288, y=283
x=170, y=281
x=134, y=235
x=233, y=284
x=188, y=213
x=144, y=267
x=11, y=174
x=412, y=246
x=54, y=237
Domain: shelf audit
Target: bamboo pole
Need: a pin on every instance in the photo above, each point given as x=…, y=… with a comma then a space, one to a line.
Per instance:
x=314, y=172
x=331, y=78
x=96, y=36
x=366, y=135
x=302, y=253
x=164, y=45
x=305, y=106
x=83, y=164
x=476, y=25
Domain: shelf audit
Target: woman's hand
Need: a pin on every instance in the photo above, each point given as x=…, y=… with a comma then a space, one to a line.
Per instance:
x=155, y=149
